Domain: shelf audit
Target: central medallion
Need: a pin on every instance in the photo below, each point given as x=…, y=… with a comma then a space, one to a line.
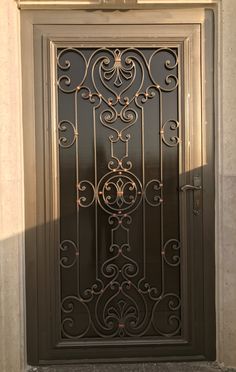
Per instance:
x=119, y=192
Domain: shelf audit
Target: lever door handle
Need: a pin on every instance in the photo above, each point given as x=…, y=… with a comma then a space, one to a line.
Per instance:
x=190, y=187
x=196, y=188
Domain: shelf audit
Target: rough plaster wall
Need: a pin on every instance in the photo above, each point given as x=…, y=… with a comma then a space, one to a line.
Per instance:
x=11, y=192
x=227, y=207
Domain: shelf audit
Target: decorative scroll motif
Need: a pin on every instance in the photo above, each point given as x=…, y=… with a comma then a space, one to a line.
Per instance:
x=121, y=302
x=119, y=192
x=65, y=126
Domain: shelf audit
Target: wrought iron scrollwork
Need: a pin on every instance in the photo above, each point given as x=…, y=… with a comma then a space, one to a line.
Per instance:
x=66, y=126
x=121, y=302
x=82, y=188
x=172, y=258
x=173, y=126
x=153, y=187
x=66, y=246
x=119, y=192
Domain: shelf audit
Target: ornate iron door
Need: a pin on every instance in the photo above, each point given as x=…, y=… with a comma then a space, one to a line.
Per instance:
x=120, y=246
x=119, y=259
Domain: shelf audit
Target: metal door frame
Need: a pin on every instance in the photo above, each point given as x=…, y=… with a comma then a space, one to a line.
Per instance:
x=37, y=28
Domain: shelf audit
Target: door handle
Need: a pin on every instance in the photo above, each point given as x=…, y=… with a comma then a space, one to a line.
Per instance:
x=190, y=187
x=196, y=188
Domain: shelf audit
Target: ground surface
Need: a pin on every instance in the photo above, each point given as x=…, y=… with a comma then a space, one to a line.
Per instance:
x=141, y=367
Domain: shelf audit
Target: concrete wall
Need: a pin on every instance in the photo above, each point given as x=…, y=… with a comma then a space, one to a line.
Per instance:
x=11, y=194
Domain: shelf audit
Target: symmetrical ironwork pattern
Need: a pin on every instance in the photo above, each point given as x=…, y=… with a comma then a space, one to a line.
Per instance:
x=118, y=141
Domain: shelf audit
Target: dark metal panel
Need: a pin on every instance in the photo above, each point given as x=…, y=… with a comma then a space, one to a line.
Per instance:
x=121, y=150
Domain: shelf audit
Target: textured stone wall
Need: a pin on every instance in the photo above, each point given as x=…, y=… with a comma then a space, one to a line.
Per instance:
x=11, y=194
